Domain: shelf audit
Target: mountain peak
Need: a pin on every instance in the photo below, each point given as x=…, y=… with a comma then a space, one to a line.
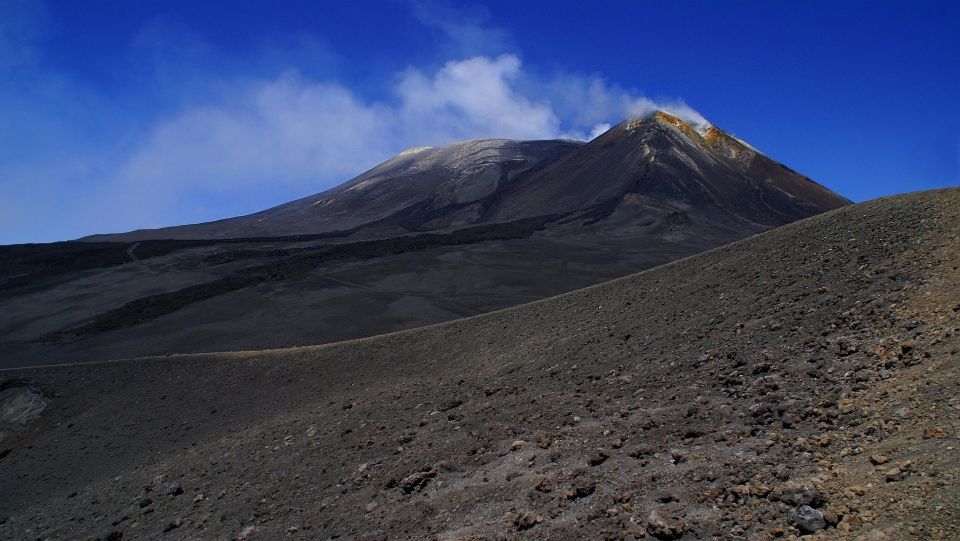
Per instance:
x=699, y=131
x=687, y=125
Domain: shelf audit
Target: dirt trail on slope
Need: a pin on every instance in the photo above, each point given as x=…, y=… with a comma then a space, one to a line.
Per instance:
x=800, y=382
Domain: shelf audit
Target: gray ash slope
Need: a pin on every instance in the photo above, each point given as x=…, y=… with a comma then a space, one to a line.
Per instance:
x=451, y=177
x=806, y=377
x=429, y=236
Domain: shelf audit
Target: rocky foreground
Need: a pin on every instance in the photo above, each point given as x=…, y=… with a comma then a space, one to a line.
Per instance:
x=803, y=382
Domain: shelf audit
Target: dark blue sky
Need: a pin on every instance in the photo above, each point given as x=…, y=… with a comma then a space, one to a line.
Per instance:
x=118, y=115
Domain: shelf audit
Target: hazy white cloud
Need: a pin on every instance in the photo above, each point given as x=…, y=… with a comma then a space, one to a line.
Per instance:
x=598, y=130
x=589, y=104
x=294, y=131
x=472, y=98
x=284, y=131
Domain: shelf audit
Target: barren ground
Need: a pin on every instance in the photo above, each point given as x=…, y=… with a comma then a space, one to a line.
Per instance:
x=803, y=380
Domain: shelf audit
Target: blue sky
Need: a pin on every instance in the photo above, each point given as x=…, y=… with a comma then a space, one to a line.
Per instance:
x=120, y=115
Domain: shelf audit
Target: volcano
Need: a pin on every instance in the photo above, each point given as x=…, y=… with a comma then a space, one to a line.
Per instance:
x=654, y=161
x=430, y=235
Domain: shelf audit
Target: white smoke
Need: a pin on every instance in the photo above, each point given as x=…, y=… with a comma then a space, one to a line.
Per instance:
x=588, y=103
x=645, y=106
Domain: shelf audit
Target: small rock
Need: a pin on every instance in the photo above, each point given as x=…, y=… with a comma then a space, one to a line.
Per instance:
x=894, y=474
x=663, y=525
x=416, y=481
x=517, y=445
x=145, y=502
x=877, y=460
x=598, y=457
x=524, y=520
x=542, y=484
x=173, y=525
x=797, y=494
x=450, y=404
x=581, y=488
x=831, y=516
x=808, y=519
x=174, y=489
x=848, y=523
x=666, y=497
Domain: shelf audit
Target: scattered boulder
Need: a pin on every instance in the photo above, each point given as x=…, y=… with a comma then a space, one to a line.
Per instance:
x=794, y=493
x=808, y=519
x=173, y=525
x=450, y=404
x=640, y=452
x=665, y=525
x=524, y=520
x=21, y=402
x=542, y=484
x=894, y=474
x=598, y=457
x=416, y=481
x=581, y=488
x=666, y=497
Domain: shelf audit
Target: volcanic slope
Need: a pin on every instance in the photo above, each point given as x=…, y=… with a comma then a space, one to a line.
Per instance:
x=804, y=379
x=660, y=158
x=431, y=235
x=652, y=164
x=453, y=177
